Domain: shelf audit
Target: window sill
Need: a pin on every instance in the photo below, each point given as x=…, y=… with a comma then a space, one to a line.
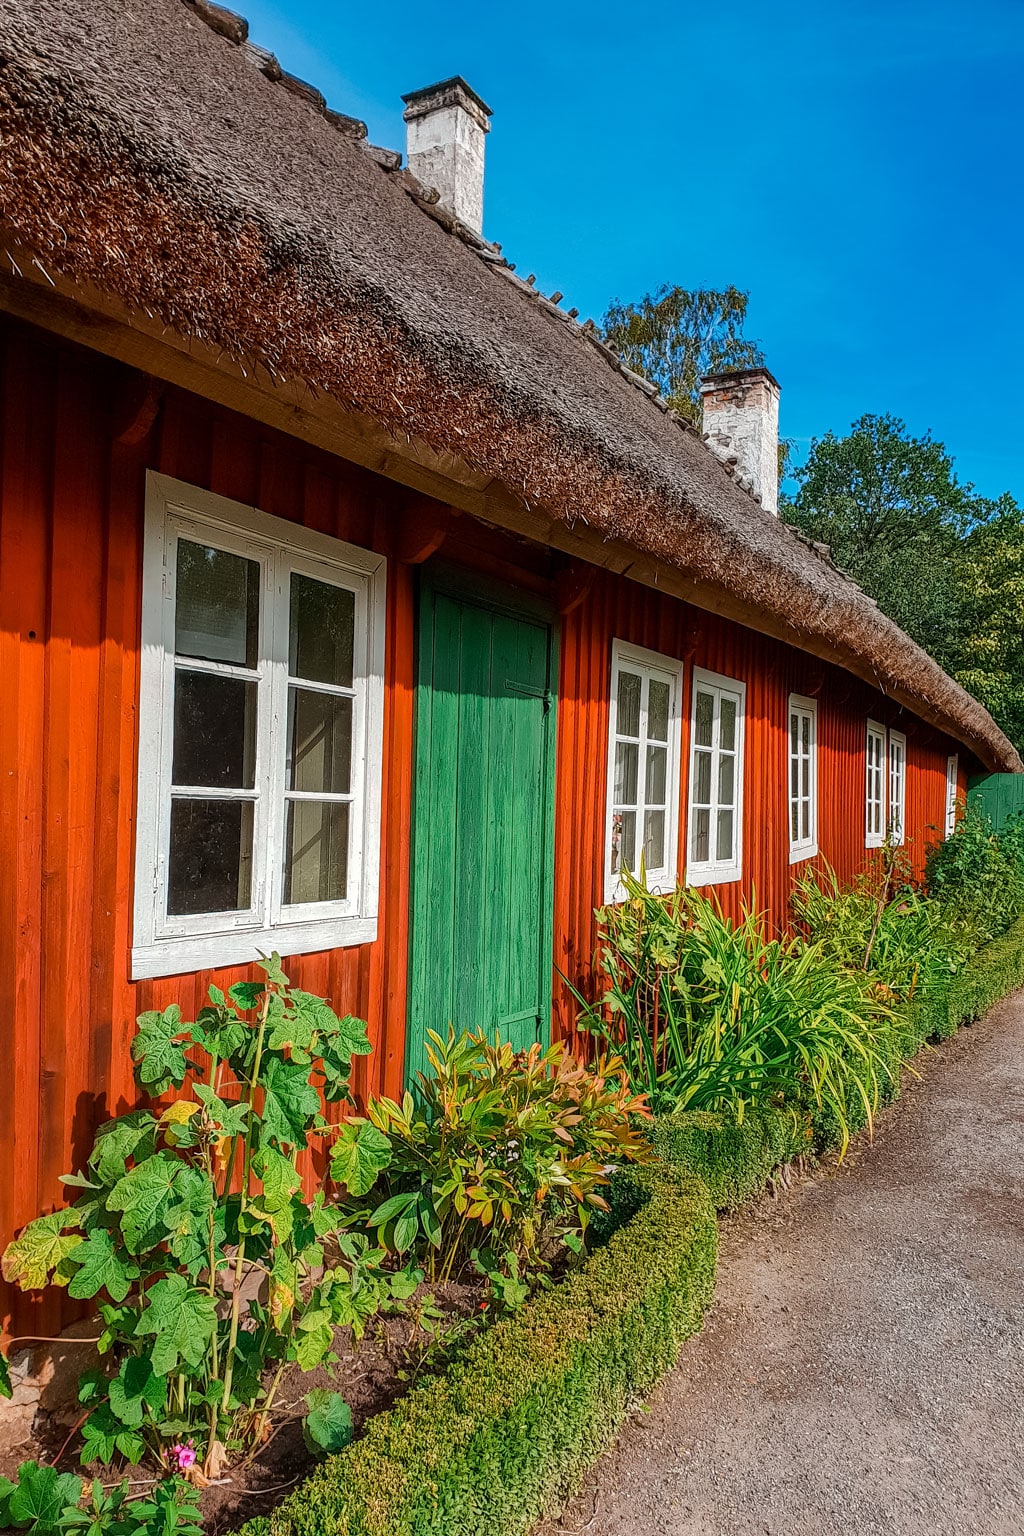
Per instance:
x=726, y=876
x=800, y=854
x=660, y=885
x=180, y=956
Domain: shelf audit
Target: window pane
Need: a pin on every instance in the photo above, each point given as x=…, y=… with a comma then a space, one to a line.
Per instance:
x=315, y=852
x=724, y=847
x=657, y=710
x=805, y=725
x=702, y=778
x=727, y=737
x=807, y=821
x=700, y=837
x=627, y=758
x=654, y=839
x=216, y=605
x=726, y=781
x=794, y=777
x=321, y=631
x=703, y=718
x=794, y=821
x=624, y=841
x=210, y=864
x=319, y=742
x=657, y=775
x=214, y=731
x=794, y=733
x=627, y=719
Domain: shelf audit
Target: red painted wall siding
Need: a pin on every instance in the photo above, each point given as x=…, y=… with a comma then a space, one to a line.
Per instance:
x=71, y=518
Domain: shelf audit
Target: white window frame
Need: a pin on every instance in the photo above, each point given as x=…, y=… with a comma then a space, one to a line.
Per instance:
x=803, y=708
x=952, y=785
x=897, y=796
x=714, y=871
x=648, y=664
x=874, y=835
x=165, y=945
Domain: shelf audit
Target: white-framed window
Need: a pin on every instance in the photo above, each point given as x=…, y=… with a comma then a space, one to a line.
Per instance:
x=260, y=734
x=897, y=785
x=803, y=777
x=643, y=768
x=715, y=835
x=952, y=780
x=874, y=795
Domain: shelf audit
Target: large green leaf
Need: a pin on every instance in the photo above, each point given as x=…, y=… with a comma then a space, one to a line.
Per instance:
x=182, y=1319
x=104, y=1439
x=143, y=1196
x=36, y=1503
x=135, y=1388
x=118, y=1140
x=101, y=1268
x=230, y=1118
x=39, y=1254
x=158, y=1055
x=327, y=1426
x=290, y=1103
x=360, y=1153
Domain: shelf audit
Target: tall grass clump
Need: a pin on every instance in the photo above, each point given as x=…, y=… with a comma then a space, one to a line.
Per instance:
x=708, y=1014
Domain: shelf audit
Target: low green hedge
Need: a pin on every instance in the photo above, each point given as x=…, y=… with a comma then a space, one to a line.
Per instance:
x=734, y=1159
x=505, y=1434
x=509, y=1428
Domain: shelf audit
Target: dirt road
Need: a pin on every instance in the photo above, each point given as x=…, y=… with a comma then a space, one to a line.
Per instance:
x=862, y=1370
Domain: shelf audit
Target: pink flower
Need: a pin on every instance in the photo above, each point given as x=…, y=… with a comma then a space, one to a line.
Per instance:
x=182, y=1455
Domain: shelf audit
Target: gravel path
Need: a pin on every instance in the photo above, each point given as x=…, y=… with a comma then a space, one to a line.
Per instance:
x=862, y=1369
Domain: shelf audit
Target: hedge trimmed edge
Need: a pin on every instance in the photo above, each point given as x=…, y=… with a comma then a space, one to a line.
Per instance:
x=504, y=1435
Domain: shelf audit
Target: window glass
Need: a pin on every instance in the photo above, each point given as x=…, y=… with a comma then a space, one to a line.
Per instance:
x=210, y=864
x=715, y=781
x=321, y=631
x=316, y=852
x=214, y=731
x=216, y=605
x=643, y=769
x=803, y=793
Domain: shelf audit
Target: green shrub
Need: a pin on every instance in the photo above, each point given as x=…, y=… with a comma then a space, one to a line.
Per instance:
x=978, y=876
x=711, y=1014
x=498, y=1160
x=735, y=1159
x=177, y=1209
x=506, y=1433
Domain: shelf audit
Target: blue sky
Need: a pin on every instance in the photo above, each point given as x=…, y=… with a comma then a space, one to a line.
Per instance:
x=855, y=164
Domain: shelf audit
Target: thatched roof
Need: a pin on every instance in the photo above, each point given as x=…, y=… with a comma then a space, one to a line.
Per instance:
x=164, y=160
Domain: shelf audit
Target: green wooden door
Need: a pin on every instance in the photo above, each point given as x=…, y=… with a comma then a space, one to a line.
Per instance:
x=483, y=843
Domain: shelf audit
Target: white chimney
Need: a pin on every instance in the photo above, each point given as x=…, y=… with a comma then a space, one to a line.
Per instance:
x=741, y=425
x=444, y=145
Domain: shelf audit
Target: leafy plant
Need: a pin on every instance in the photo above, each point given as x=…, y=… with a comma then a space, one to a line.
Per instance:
x=714, y=1015
x=44, y=1502
x=902, y=939
x=210, y=1268
x=978, y=875
x=327, y=1426
x=500, y=1153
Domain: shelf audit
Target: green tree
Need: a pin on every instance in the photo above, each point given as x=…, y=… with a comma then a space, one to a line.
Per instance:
x=894, y=515
x=990, y=663
x=676, y=336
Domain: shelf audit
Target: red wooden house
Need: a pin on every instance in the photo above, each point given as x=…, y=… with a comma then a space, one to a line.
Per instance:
x=357, y=602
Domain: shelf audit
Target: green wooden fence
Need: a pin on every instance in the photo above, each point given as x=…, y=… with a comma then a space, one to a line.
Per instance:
x=999, y=795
